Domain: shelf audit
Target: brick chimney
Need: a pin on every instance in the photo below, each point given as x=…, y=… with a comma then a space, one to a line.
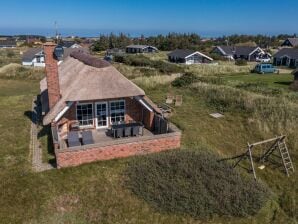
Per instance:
x=52, y=74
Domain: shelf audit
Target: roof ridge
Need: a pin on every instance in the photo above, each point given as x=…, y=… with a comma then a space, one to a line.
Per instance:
x=87, y=59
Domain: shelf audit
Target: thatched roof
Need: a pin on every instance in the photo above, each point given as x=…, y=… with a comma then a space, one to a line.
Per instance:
x=83, y=77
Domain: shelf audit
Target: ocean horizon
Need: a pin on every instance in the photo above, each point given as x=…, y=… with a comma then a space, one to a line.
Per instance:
x=131, y=32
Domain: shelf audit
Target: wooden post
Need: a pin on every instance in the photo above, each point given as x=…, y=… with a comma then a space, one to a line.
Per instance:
x=251, y=160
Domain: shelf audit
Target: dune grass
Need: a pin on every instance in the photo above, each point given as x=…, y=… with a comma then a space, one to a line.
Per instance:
x=97, y=193
x=8, y=56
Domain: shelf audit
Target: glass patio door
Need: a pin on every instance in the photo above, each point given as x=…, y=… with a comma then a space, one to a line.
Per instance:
x=101, y=113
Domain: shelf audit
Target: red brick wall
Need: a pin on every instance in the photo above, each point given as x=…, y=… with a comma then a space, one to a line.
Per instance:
x=148, y=120
x=51, y=74
x=134, y=111
x=74, y=157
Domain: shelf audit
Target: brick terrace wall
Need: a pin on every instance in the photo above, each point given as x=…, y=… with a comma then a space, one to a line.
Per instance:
x=117, y=149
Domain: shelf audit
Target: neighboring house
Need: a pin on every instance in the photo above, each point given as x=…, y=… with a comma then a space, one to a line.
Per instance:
x=188, y=57
x=224, y=51
x=8, y=43
x=242, y=52
x=286, y=57
x=33, y=57
x=110, y=53
x=290, y=42
x=133, y=49
x=87, y=96
x=248, y=53
x=69, y=44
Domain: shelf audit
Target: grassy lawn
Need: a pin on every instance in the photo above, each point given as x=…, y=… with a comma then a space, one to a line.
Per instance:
x=96, y=193
x=272, y=80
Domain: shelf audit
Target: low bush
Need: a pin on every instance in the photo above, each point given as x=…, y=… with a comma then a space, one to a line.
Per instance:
x=241, y=62
x=218, y=57
x=185, y=80
x=195, y=183
x=142, y=61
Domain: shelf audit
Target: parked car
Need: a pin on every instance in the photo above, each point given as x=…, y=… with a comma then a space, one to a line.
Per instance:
x=265, y=68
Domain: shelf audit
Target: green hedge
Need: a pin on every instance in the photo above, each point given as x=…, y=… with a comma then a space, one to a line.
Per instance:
x=185, y=80
x=142, y=61
x=194, y=183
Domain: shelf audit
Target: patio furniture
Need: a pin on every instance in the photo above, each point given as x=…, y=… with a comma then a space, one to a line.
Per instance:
x=87, y=138
x=135, y=130
x=73, y=139
x=169, y=99
x=127, y=131
x=178, y=101
x=74, y=125
x=119, y=132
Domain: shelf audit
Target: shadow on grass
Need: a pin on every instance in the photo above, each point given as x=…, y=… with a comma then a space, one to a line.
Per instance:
x=31, y=115
x=44, y=134
x=286, y=83
x=45, y=137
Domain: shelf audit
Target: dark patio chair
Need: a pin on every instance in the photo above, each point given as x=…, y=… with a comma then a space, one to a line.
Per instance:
x=119, y=132
x=127, y=131
x=73, y=139
x=87, y=138
x=135, y=130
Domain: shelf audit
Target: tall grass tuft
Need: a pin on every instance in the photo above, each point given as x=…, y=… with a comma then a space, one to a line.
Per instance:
x=273, y=115
x=218, y=69
x=153, y=81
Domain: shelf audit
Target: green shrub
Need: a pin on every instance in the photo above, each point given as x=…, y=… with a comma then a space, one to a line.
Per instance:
x=166, y=67
x=119, y=58
x=185, y=80
x=194, y=183
x=142, y=61
x=241, y=62
x=218, y=57
x=10, y=54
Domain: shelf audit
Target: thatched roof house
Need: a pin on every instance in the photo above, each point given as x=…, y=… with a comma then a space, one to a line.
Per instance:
x=90, y=106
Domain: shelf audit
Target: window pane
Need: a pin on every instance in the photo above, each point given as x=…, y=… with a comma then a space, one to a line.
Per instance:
x=117, y=111
x=85, y=114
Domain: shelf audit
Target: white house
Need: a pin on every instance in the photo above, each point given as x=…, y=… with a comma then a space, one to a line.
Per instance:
x=34, y=57
x=188, y=57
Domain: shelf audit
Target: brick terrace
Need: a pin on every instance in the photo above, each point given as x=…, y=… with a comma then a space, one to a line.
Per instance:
x=118, y=148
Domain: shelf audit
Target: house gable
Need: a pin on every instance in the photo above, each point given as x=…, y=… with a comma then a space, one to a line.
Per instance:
x=86, y=78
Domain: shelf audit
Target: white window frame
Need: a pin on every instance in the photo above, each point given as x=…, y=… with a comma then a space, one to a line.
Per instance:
x=85, y=126
x=110, y=110
x=107, y=114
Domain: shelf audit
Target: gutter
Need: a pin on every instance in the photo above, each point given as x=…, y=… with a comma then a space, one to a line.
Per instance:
x=62, y=112
x=143, y=103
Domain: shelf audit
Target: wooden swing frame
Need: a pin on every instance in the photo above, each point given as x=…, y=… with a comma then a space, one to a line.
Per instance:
x=250, y=147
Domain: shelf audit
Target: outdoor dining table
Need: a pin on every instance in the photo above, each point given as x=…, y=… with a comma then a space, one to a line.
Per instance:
x=126, y=129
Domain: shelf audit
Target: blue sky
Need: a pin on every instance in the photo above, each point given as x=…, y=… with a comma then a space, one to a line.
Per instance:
x=206, y=17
